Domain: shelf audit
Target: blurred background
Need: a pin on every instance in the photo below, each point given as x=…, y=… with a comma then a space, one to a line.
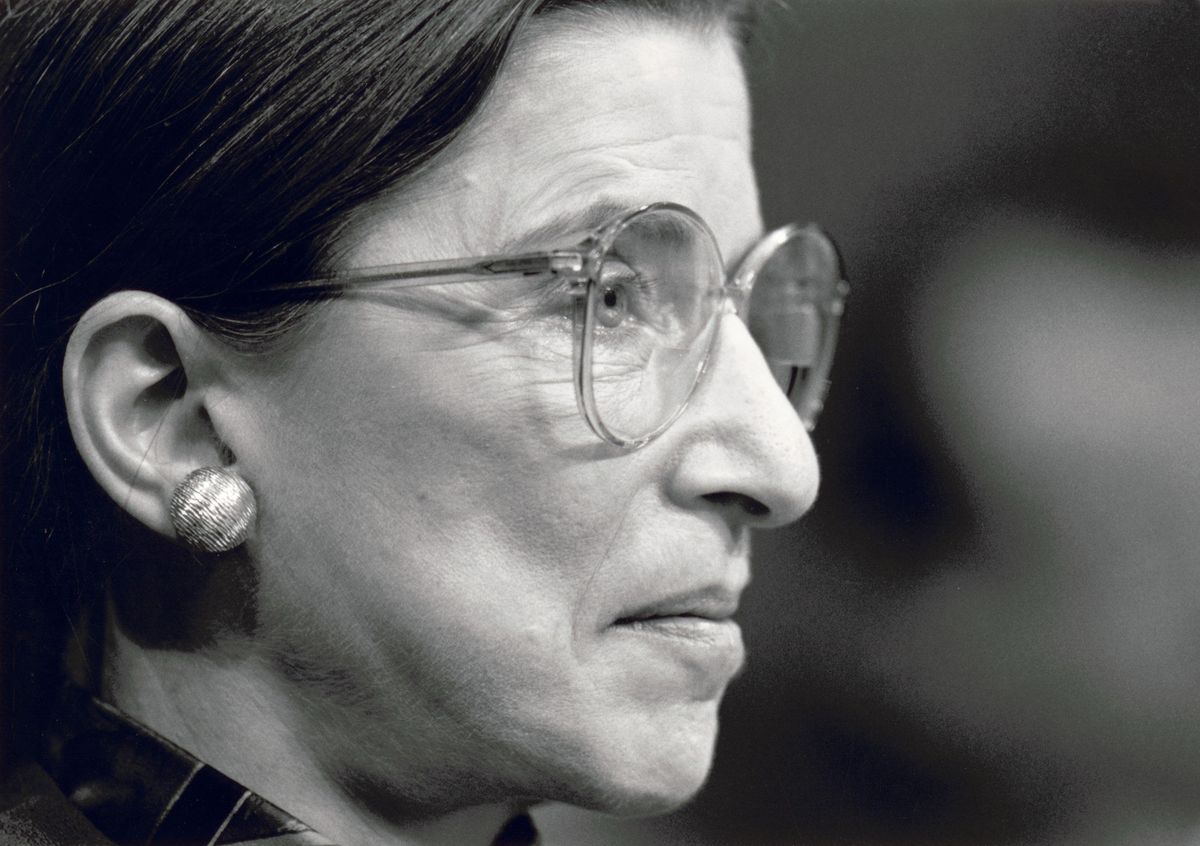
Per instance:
x=988, y=630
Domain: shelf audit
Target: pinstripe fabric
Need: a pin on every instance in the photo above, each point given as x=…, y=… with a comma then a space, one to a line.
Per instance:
x=139, y=789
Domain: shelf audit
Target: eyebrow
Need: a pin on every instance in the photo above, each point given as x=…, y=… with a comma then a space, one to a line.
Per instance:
x=568, y=223
x=579, y=223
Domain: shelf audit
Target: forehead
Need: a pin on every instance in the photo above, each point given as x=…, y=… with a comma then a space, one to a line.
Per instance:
x=589, y=111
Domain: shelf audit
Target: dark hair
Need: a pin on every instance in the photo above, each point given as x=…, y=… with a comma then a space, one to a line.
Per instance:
x=195, y=149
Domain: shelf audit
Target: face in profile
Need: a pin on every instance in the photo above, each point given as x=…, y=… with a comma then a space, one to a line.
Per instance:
x=456, y=573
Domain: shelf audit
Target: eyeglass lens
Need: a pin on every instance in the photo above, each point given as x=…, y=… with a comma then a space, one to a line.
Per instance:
x=792, y=315
x=660, y=287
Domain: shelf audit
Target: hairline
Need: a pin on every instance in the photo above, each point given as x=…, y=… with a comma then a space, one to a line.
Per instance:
x=729, y=17
x=564, y=18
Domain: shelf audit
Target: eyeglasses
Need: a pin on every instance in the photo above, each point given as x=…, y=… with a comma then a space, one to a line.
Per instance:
x=648, y=290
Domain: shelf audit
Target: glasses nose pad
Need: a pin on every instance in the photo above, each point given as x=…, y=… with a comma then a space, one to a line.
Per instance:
x=734, y=299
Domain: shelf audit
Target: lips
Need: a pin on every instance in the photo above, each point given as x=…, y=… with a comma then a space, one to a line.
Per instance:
x=716, y=604
x=689, y=639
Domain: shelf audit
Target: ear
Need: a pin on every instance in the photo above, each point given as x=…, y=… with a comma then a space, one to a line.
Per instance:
x=138, y=377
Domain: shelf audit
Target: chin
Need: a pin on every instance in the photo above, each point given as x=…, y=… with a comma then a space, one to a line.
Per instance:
x=653, y=802
x=639, y=784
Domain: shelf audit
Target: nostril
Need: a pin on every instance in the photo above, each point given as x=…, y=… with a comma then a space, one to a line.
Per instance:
x=740, y=501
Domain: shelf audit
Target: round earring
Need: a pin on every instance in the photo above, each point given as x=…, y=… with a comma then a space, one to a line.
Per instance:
x=213, y=509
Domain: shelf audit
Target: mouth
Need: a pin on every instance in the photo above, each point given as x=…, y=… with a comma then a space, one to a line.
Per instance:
x=710, y=605
x=694, y=631
x=705, y=616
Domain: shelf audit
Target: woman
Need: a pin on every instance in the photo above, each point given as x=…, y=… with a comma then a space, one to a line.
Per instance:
x=362, y=534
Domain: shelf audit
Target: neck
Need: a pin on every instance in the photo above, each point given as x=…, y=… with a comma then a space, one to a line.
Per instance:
x=226, y=707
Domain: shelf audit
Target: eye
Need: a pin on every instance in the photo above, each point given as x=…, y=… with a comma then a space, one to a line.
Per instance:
x=614, y=304
x=618, y=283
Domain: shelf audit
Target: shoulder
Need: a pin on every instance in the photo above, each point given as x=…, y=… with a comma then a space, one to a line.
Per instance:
x=34, y=812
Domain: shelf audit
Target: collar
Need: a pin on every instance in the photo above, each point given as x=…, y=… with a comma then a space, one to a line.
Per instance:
x=137, y=787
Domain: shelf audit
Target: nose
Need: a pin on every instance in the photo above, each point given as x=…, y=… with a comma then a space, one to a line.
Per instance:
x=742, y=448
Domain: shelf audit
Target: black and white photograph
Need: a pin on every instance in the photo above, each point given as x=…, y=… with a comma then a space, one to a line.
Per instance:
x=599, y=423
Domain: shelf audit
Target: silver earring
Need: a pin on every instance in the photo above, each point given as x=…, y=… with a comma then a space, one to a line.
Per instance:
x=213, y=509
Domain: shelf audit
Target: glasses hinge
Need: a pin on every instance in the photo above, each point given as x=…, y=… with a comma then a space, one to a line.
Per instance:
x=566, y=263
x=540, y=263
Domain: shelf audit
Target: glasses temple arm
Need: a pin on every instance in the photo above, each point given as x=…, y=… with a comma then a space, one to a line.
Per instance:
x=417, y=274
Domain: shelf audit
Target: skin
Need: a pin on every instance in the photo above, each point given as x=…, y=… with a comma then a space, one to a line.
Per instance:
x=444, y=550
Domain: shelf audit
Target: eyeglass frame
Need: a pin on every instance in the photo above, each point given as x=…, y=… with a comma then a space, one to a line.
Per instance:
x=580, y=268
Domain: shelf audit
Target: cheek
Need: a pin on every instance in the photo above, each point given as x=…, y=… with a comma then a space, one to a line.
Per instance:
x=455, y=487
x=387, y=405
x=439, y=536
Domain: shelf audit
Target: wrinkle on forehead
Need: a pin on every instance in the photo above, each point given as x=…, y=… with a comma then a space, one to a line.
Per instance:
x=589, y=105
x=654, y=55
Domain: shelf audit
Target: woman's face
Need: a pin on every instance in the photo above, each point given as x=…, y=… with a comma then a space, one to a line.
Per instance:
x=447, y=555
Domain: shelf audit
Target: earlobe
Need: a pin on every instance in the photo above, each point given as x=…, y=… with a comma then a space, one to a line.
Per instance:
x=135, y=378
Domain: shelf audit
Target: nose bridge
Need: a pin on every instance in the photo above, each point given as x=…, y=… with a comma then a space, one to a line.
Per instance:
x=734, y=298
x=743, y=437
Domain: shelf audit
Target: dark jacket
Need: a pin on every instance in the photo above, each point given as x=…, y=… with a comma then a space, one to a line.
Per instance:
x=108, y=781
x=34, y=812
x=105, y=779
